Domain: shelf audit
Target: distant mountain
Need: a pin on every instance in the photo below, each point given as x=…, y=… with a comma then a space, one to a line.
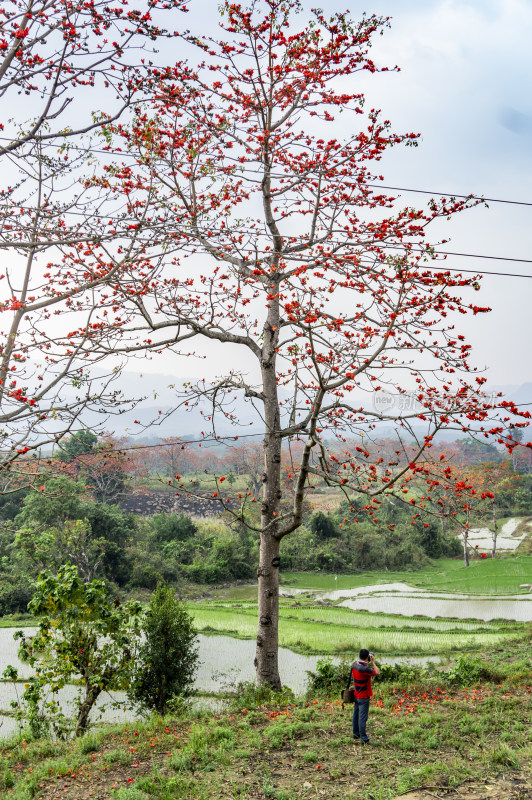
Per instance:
x=158, y=392
x=523, y=394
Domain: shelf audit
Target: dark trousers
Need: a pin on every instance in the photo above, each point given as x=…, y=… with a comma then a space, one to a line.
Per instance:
x=360, y=717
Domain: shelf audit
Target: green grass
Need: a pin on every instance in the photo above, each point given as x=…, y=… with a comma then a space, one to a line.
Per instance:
x=308, y=628
x=18, y=621
x=340, y=615
x=292, y=751
x=502, y=575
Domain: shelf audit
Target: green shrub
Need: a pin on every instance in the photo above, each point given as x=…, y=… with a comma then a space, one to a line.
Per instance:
x=328, y=677
x=90, y=743
x=15, y=594
x=7, y=779
x=468, y=670
x=249, y=695
x=401, y=673
x=167, y=660
x=173, y=527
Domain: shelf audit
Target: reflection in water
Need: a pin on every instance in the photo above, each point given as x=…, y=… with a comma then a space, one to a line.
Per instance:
x=513, y=607
x=399, y=598
x=224, y=662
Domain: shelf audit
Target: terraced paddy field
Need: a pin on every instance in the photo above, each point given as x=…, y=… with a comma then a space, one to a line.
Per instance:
x=335, y=630
x=441, y=609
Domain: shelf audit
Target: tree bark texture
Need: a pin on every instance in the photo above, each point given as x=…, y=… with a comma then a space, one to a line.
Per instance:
x=495, y=532
x=266, y=658
x=82, y=721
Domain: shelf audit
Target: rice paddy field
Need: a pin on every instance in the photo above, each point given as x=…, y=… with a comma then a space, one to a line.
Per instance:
x=309, y=626
x=334, y=631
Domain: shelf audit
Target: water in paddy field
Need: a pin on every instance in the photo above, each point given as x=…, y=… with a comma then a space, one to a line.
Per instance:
x=507, y=539
x=400, y=598
x=224, y=662
x=512, y=607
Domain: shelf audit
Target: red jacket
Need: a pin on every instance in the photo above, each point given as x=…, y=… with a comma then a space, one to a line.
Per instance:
x=362, y=680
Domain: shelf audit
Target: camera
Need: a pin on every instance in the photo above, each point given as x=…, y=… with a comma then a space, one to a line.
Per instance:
x=371, y=655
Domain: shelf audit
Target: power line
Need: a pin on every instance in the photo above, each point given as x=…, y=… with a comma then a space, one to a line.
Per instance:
x=450, y=194
x=121, y=153
x=338, y=241
x=219, y=439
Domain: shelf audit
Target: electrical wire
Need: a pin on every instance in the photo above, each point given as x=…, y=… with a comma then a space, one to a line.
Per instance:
x=451, y=194
x=380, y=246
x=281, y=175
x=216, y=439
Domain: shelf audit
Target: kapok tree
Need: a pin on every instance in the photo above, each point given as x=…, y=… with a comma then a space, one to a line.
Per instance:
x=457, y=494
x=107, y=465
x=320, y=293
x=498, y=481
x=53, y=51
x=66, y=68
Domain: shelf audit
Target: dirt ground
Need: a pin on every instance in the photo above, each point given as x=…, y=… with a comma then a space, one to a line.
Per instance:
x=502, y=787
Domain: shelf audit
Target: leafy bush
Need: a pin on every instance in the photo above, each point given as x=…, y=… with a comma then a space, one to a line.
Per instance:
x=173, y=527
x=168, y=658
x=469, y=669
x=323, y=526
x=83, y=638
x=249, y=695
x=328, y=677
x=401, y=673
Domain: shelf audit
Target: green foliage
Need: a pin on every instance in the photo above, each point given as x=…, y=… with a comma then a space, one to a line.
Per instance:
x=11, y=504
x=403, y=674
x=59, y=500
x=116, y=530
x=217, y=554
x=90, y=743
x=167, y=660
x=249, y=695
x=323, y=526
x=468, y=669
x=434, y=542
x=71, y=542
x=172, y=527
x=80, y=443
x=15, y=593
x=329, y=677
x=60, y=524
x=83, y=638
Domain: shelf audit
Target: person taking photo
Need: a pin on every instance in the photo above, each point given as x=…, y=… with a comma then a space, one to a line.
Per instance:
x=362, y=671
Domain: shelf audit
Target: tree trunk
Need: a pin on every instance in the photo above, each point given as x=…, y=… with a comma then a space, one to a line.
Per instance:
x=466, y=552
x=495, y=532
x=82, y=721
x=266, y=658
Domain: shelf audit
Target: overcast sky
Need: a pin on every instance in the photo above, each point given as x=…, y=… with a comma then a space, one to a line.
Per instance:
x=464, y=85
